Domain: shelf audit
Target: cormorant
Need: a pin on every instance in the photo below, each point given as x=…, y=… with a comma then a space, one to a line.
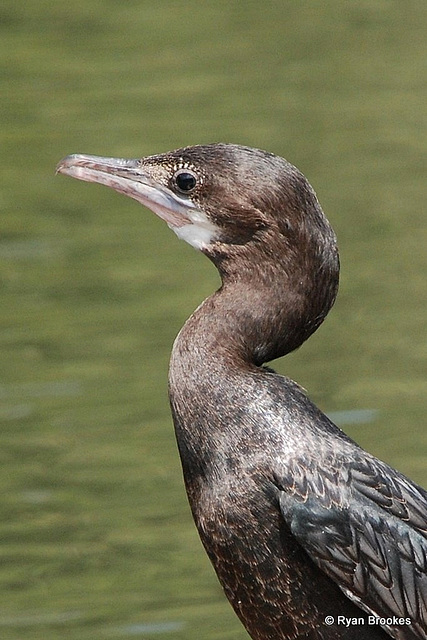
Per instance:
x=311, y=536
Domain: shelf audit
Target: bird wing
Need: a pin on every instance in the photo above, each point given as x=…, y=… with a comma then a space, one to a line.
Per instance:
x=370, y=538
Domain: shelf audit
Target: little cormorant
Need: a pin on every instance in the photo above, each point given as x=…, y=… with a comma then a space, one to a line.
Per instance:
x=311, y=536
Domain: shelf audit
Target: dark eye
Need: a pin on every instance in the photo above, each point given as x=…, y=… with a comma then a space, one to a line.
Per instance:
x=185, y=181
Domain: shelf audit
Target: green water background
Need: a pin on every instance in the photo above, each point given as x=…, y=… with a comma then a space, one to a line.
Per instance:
x=96, y=536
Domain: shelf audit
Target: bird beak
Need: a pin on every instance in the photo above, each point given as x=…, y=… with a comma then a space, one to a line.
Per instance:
x=133, y=179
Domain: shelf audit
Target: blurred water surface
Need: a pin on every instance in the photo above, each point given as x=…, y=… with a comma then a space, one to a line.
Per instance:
x=96, y=535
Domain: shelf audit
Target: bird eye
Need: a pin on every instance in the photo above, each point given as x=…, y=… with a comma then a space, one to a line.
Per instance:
x=185, y=181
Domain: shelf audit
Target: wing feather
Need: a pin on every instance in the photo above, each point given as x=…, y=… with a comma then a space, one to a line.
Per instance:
x=364, y=525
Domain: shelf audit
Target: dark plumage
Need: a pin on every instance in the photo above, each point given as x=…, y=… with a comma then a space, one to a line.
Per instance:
x=299, y=522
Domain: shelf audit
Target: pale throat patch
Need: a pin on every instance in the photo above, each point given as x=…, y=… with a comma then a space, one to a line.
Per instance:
x=199, y=233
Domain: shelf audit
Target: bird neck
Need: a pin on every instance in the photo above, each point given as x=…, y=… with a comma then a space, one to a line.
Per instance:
x=215, y=363
x=252, y=320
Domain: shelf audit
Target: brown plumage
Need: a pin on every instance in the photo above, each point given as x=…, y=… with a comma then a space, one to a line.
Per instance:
x=299, y=522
